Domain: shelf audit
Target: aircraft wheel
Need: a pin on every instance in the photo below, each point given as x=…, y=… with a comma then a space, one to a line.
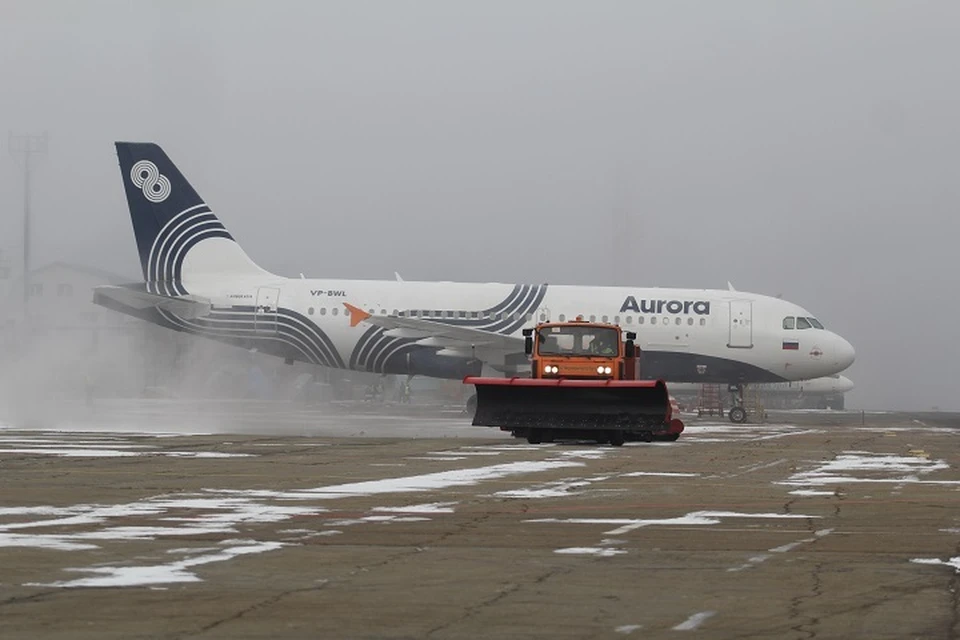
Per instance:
x=738, y=415
x=616, y=438
x=534, y=436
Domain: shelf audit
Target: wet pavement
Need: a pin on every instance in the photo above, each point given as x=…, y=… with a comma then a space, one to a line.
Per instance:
x=332, y=524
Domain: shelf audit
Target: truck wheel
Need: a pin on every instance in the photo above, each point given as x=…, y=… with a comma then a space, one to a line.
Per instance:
x=668, y=437
x=534, y=436
x=471, y=408
x=616, y=438
x=738, y=415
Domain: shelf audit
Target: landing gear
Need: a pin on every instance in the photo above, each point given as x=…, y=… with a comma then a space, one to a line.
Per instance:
x=737, y=413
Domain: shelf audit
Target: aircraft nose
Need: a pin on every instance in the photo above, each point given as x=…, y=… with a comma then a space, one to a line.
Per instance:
x=843, y=352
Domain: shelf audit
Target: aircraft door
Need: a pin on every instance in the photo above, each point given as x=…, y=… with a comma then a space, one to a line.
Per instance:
x=741, y=324
x=265, y=313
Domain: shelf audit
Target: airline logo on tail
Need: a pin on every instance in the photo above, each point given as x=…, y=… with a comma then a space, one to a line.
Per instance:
x=154, y=185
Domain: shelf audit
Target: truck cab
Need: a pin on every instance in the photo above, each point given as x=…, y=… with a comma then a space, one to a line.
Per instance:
x=579, y=350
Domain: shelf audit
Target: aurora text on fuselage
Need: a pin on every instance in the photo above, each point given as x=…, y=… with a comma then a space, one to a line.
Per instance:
x=699, y=307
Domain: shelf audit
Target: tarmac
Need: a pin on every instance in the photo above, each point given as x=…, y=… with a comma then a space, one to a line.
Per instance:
x=169, y=520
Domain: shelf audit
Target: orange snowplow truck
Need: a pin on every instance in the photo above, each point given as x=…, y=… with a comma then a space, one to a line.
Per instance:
x=584, y=384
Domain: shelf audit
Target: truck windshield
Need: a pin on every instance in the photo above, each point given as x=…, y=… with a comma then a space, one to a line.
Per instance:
x=578, y=341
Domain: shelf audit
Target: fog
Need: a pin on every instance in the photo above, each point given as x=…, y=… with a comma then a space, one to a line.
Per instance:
x=805, y=149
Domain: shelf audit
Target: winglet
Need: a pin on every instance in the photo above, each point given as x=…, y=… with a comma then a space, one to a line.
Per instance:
x=397, y=276
x=356, y=315
x=730, y=286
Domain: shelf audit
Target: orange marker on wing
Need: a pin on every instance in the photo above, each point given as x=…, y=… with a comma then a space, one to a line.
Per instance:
x=356, y=315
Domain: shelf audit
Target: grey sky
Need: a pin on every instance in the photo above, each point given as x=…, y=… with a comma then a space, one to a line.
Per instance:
x=808, y=149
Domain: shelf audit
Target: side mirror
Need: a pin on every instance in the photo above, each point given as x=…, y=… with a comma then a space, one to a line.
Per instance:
x=631, y=335
x=528, y=344
x=630, y=350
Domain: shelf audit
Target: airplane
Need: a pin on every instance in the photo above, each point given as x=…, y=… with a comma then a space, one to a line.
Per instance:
x=198, y=279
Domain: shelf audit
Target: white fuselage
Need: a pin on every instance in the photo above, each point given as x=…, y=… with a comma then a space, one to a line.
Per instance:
x=684, y=334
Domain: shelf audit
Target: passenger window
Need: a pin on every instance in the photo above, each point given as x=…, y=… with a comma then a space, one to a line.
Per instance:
x=593, y=318
x=475, y=315
x=616, y=319
x=563, y=318
x=383, y=312
x=678, y=321
x=310, y=310
x=703, y=322
x=690, y=321
x=323, y=311
x=543, y=317
x=802, y=323
x=653, y=320
x=641, y=320
x=335, y=311
x=630, y=319
x=606, y=318
x=788, y=323
x=395, y=312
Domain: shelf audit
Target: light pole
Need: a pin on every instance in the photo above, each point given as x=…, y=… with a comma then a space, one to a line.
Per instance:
x=23, y=148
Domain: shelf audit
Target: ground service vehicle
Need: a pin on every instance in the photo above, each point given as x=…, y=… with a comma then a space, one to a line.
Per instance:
x=585, y=384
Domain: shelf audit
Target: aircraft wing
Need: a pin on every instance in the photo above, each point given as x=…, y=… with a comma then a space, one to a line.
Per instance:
x=454, y=340
x=183, y=306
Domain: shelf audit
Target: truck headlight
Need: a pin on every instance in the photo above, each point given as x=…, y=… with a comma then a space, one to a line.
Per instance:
x=600, y=369
x=607, y=370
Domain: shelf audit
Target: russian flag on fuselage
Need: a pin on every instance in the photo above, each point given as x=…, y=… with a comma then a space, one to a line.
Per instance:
x=791, y=344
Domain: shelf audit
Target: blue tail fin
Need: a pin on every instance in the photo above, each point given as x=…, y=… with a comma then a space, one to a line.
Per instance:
x=170, y=221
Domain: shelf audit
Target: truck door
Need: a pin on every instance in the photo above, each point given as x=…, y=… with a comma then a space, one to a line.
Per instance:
x=265, y=314
x=741, y=324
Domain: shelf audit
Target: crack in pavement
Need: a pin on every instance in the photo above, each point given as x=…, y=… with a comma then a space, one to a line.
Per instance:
x=777, y=630
x=954, y=587
x=508, y=589
x=266, y=602
x=31, y=598
x=816, y=591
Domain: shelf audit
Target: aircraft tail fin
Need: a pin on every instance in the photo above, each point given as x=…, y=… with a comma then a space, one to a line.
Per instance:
x=179, y=238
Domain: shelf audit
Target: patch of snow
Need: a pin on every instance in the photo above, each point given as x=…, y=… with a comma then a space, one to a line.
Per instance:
x=591, y=551
x=433, y=507
x=952, y=562
x=667, y=474
x=694, y=621
x=157, y=574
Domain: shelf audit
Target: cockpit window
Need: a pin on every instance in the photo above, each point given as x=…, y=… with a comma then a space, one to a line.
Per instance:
x=815, y=323
x=788, y=322
x=803, y=323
